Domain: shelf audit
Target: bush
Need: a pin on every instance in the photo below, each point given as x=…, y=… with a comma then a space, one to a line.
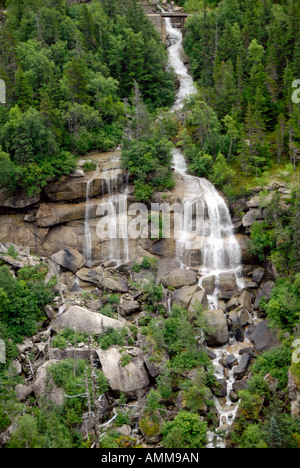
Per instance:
x=186, y=431
x=113, y=337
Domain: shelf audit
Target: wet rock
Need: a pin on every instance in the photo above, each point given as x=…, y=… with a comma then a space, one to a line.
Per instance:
x=209, y=284
x=220, y=390
x=83, y=320
x=242, y=368
x=263, y=337
x=231, y=360
x=69, y=259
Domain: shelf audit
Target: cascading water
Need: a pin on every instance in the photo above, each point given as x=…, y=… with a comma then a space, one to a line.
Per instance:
x=219, y=248
x=117, y=203
x=88, y=247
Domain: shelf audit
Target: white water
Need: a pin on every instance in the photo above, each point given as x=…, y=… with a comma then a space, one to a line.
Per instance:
x=118, y=244
x=220, y=250
x=88, y=247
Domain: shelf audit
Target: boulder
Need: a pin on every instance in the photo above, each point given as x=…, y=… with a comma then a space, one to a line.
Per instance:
x=114, y=285
x=232, y=304
x=165, y=266
x=239, y=317
x=129, y=379
x=263, y=337
x=69, y=259
x=242, y=368
x=84, y=321
x=209, y=284
x=200, y=297
x=22, y=392
x=179, y=278
x=227, y=282
x=184, y=296
x=218, y=334
x=155, y=364
x=43, y=390
x=220, y=390
x=89, y=276
x=240, y=385
x=254, y=202
x=245, y=300
x=129, y=306
x=249, y=219
x=265, y=292
x=231, y=360
x=258, y=275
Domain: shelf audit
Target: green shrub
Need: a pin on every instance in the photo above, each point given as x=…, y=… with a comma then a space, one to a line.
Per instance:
x=186, y=431
x=113, y=337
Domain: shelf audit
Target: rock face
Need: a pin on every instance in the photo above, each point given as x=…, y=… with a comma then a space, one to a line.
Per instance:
x=219, y=334
x=69, y=259
x=22, y=200
x=84, y=321
x=128, y=379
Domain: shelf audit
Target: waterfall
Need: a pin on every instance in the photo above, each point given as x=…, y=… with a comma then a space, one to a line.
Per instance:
x=88, y=244
x=118, y=251
x=220, y=250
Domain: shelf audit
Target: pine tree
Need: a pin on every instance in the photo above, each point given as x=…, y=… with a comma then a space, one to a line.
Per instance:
x=23, y=91
x=77, y=80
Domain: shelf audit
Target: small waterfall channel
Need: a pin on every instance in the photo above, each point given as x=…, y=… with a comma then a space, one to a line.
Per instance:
x=220, y=250
x=115, y=203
